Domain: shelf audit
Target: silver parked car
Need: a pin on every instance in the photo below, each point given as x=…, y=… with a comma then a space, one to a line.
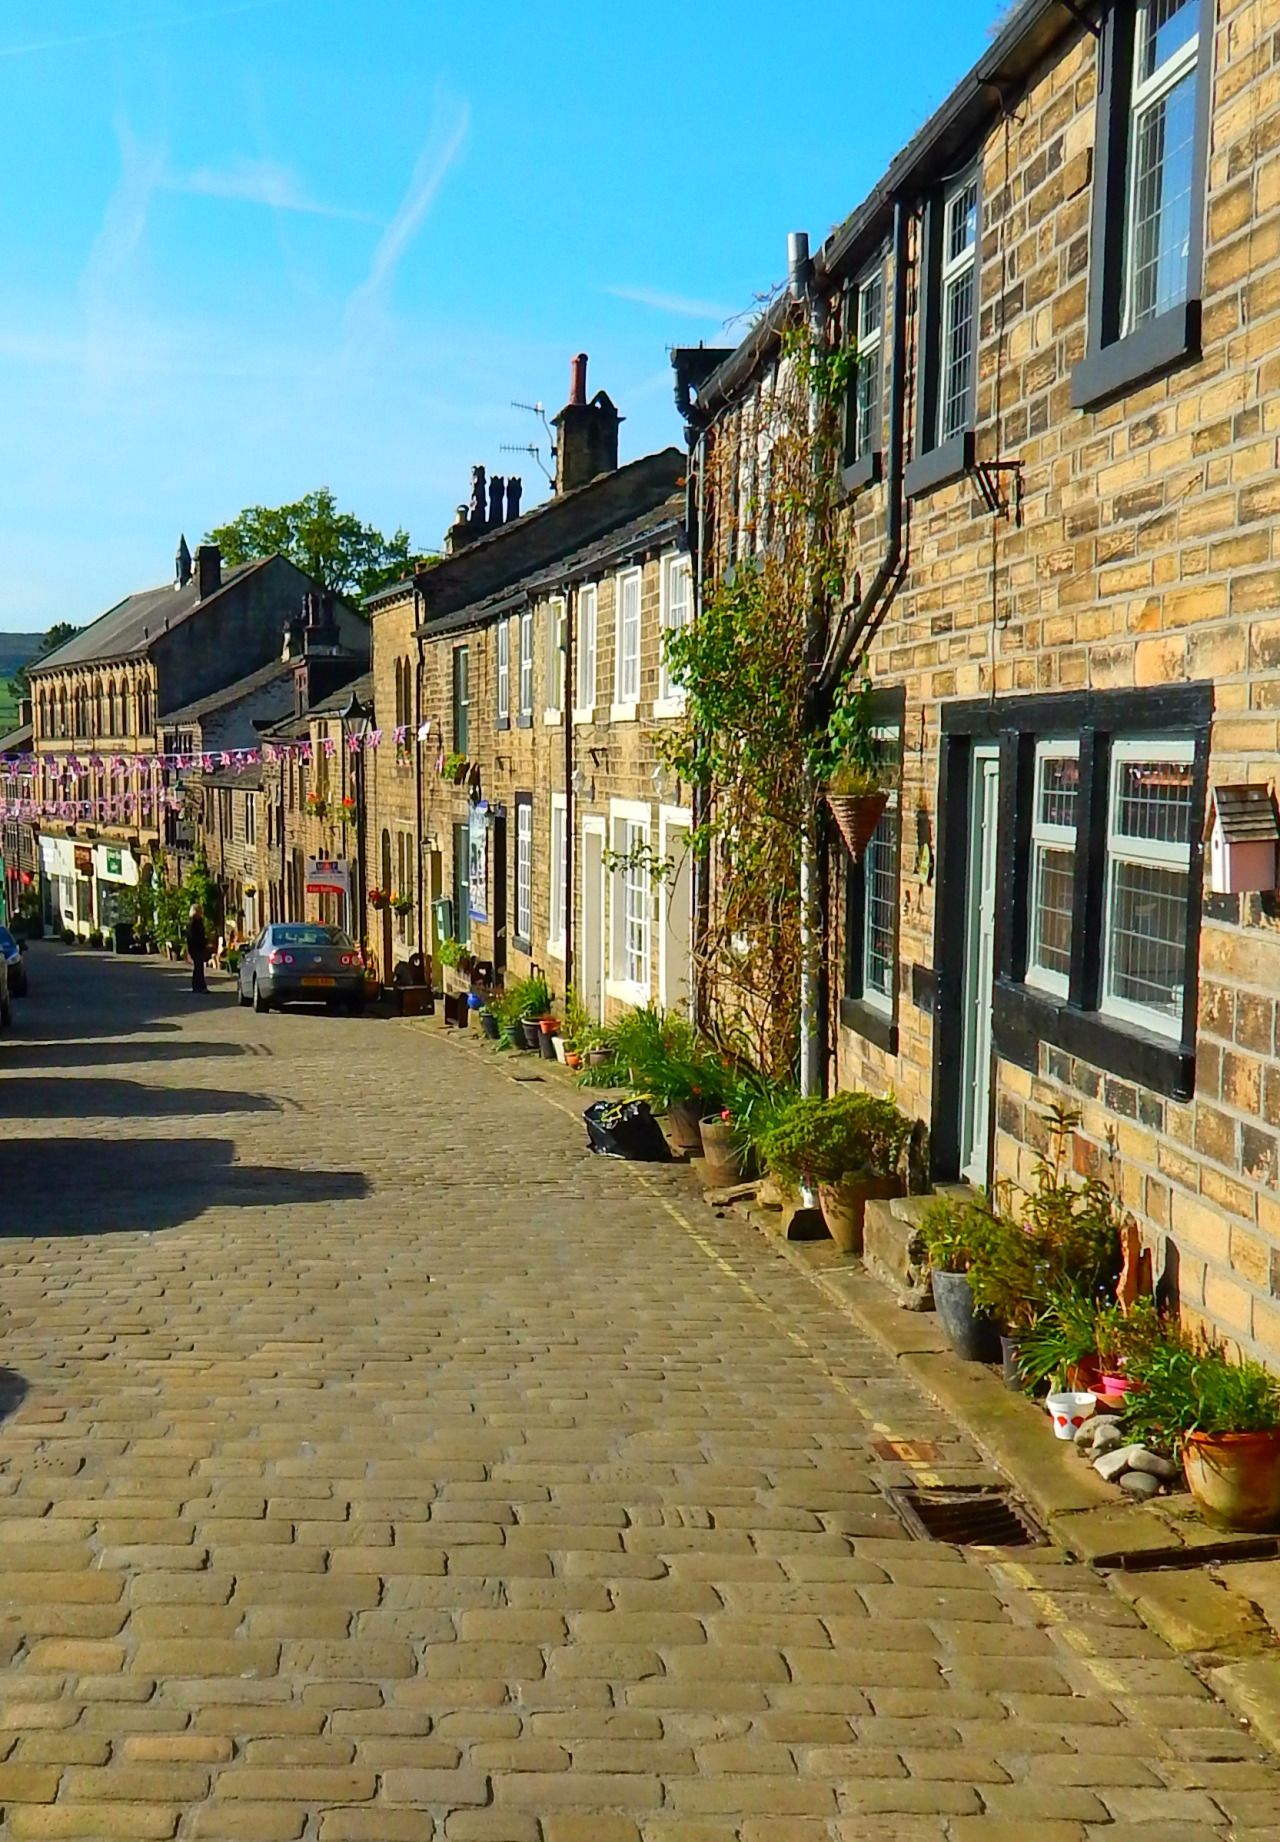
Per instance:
x=304, y=961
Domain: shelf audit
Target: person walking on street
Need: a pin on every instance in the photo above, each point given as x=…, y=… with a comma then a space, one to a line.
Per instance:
x=197, y=947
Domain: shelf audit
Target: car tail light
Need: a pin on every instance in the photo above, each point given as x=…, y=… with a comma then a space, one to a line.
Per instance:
x=350, y=959
x=277, y=958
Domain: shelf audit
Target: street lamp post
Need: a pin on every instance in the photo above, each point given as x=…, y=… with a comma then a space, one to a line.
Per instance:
x=355, y=724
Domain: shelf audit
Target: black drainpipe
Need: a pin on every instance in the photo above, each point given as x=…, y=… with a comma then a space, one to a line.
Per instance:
x=839, y=655
x=417, y=785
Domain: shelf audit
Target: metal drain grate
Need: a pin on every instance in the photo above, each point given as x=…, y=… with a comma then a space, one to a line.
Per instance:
x=985, y=1516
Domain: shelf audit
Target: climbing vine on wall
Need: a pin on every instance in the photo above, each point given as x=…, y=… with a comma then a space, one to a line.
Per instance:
x=772, y=566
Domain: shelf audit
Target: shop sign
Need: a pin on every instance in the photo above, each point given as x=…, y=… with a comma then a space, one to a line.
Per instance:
x=84, y=860
x=113, y=863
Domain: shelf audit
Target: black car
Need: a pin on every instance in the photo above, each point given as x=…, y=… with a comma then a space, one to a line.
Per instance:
x=14, y=957
x=301, y=960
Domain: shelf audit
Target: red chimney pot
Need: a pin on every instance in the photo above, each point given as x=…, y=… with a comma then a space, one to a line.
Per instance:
x=578, y=379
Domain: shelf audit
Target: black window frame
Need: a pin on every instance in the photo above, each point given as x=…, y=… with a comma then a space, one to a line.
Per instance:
x=522, y=942
x=887, y=710
x=1114, y=361
x=462, y=882
x=936, y=463
x=860, y=468
x=1025, y=1016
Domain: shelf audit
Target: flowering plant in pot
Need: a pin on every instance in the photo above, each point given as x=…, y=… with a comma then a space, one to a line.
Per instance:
x=402, y=904
x=1221, y=1417
x=317, y=805
x=847, y=1147
x=379, y=899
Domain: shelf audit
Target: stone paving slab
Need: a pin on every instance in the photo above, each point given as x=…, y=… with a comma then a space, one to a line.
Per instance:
x=378, y=1464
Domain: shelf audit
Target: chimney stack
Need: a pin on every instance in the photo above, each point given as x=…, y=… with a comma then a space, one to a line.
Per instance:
x=208, y=571
x=497, y=500
x=586, y=433
x=515, y=486
x=182, y=564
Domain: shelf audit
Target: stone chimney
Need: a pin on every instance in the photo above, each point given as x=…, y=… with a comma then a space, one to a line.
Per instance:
x=586, y=433
x=208, y=571
x=24, y=712
x=515, y=486
x=497, y=501
x=182, y=564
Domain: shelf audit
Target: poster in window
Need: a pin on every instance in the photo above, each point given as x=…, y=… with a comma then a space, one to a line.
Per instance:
x=478, y=863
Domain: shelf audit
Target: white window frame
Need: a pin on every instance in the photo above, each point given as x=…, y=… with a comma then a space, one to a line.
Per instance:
x=1147, y=94
x=671, y=697
x=869, y=348
x=526, y=663
x=557, y=646
x=584, y=664
x=675, y=827
x=1047, y=837
x=951, y=275
x=627, y=817
x=524, y=874
x=1150, y=853
x=503, y=655
x=626, y=687
x=405, y=865
x=870, y=995
x=557, y=879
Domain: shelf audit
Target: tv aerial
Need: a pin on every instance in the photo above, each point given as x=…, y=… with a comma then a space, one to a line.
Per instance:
x=531, y=448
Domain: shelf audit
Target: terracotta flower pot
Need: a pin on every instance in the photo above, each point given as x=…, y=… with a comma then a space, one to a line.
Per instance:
x=550, y=1026
x=683, y=1122
x=572, y=1059
x=723, y=1161
x=857, y=815
x=844, y=1204
x=1235, y=1478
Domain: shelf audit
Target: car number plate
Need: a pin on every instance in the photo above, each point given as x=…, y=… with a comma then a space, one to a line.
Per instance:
x=317, y=978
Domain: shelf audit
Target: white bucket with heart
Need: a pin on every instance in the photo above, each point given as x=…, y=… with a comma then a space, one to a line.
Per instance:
x=1070, y=1411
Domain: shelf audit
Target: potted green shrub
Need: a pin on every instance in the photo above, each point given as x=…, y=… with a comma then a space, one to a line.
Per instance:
x=848, y=1148
x=957, y=1233
x=1222, y=1417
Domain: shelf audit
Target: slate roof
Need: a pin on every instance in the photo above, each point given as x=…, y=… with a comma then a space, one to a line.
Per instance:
x=18, y=741
x=248, y=780
x=538, y=538
x=136, y=622
x=332, y=705
x=231, y=693
x=662, y=520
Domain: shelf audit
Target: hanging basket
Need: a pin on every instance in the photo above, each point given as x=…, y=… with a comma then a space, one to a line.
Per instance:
x=857, y=815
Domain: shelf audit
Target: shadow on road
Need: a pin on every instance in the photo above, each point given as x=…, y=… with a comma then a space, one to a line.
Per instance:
x=105, y=1186
x=13, y=1391
x=24, y=1056
x=101, y=1097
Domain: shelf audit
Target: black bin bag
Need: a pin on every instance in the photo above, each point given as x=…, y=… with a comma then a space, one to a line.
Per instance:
x=626, y=1129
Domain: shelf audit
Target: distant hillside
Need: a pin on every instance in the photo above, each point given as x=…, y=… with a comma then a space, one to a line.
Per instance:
x=17, y=649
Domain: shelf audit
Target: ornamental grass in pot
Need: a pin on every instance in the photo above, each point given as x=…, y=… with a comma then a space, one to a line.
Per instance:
x=1221, y=1417
x=848, y=1148
x=958, y=1233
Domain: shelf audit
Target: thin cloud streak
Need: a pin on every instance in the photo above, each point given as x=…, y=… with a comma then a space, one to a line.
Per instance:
x=260, y=182
x=430, y=172
x=679, y=304
x=143, y=25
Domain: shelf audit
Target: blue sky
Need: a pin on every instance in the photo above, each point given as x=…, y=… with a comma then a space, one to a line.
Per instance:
x=257, y=247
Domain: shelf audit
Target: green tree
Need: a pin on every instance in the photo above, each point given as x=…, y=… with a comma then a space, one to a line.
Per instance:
x=20, y=683
x=350, y=558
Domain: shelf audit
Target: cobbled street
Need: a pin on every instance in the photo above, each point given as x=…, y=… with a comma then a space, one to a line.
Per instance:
x=379, y=1465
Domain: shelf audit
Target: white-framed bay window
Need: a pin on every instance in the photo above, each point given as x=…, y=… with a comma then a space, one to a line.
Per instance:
x=523, y=912
x=626, y=675
x=676, y=598
x=630, y=932
x=502, y=652
x=558, y=867
x=526, y=665
x=557, y=644
x=1150, y=809
x=584, y=654
x=1161, y=168
x=1054, y=818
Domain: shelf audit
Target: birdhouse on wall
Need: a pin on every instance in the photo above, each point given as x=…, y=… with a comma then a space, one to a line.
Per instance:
x=1242, y=841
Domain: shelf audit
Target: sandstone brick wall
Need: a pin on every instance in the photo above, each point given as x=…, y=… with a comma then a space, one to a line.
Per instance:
x=1147, y=555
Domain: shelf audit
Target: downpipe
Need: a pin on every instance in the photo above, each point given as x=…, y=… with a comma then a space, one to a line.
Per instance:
x=812, y=1046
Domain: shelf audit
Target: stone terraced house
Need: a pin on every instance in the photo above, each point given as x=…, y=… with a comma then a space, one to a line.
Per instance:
x=527, y=833
x=1059, y=501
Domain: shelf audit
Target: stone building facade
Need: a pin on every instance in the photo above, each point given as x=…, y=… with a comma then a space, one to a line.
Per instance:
x=1059, y=506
